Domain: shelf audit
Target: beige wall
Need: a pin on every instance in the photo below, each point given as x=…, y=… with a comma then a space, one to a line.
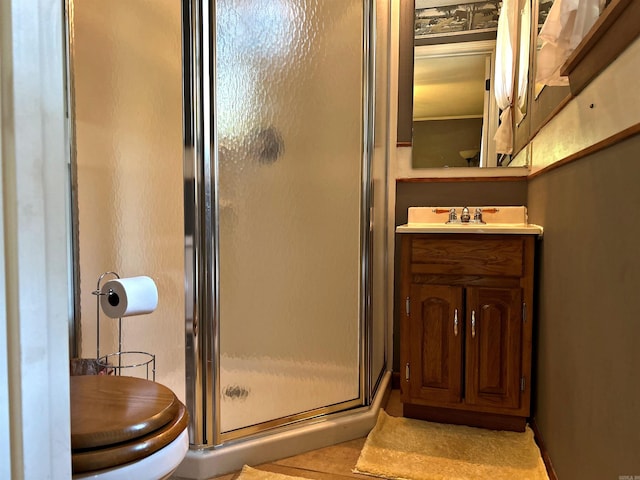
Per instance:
x=437, y=143
x=587, y=399
x=128, y=116
x=608, y=105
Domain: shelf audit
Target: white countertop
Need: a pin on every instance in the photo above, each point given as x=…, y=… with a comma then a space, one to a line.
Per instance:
x=494, y=228
x=499, y=220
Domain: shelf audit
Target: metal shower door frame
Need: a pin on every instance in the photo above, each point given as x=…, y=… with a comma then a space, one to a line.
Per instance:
x=202, y=278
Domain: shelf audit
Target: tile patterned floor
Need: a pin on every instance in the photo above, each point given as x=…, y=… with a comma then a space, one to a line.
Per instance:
x=334, y=462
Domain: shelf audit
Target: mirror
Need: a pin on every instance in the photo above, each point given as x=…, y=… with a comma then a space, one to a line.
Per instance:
x=454, y=114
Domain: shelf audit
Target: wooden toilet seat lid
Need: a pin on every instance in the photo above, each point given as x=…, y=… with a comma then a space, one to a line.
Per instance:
x=106, y=410
x=120, y=454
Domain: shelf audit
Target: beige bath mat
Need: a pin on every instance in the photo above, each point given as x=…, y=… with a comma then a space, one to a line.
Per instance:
x=249, y=473
x=407, y=449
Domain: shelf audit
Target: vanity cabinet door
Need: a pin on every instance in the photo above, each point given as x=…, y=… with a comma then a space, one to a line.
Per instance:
x=493, y=347
x=435, y=329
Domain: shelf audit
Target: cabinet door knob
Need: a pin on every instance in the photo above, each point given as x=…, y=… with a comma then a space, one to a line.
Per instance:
x=473, y=323
x=455, y=322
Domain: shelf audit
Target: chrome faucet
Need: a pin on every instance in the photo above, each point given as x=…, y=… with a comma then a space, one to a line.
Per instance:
x=465, y=216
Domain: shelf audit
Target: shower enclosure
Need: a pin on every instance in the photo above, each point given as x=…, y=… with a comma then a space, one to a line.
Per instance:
x=286, y=112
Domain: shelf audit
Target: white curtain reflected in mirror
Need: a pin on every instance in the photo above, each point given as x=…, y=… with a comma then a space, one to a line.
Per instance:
x=505, y=73
x=566, y=25
x=523, y=60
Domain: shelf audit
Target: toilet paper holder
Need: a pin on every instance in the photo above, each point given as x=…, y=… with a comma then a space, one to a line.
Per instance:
x=125, y=359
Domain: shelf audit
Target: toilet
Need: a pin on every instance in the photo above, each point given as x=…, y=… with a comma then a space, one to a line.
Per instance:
x=124, y=428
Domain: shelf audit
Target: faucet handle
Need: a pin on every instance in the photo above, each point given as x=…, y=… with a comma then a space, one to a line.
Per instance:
x=490, y=210
x=477, y=217
x=453, y=216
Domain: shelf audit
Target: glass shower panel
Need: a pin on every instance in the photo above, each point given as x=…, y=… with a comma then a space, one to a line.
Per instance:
x=289, y=76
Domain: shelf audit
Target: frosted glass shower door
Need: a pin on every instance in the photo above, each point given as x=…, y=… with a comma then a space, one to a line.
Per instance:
x=289, y=119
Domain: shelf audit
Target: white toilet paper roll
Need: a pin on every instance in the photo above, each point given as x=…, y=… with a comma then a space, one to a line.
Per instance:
x=125, y=297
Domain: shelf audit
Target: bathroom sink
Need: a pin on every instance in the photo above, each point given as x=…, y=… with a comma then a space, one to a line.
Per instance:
x=505, y=220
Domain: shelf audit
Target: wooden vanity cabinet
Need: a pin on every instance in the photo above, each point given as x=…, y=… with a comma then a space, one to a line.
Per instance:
x=466, y=328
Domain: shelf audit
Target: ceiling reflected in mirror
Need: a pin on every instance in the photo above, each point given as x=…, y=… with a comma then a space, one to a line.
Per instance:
x=448, y=87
